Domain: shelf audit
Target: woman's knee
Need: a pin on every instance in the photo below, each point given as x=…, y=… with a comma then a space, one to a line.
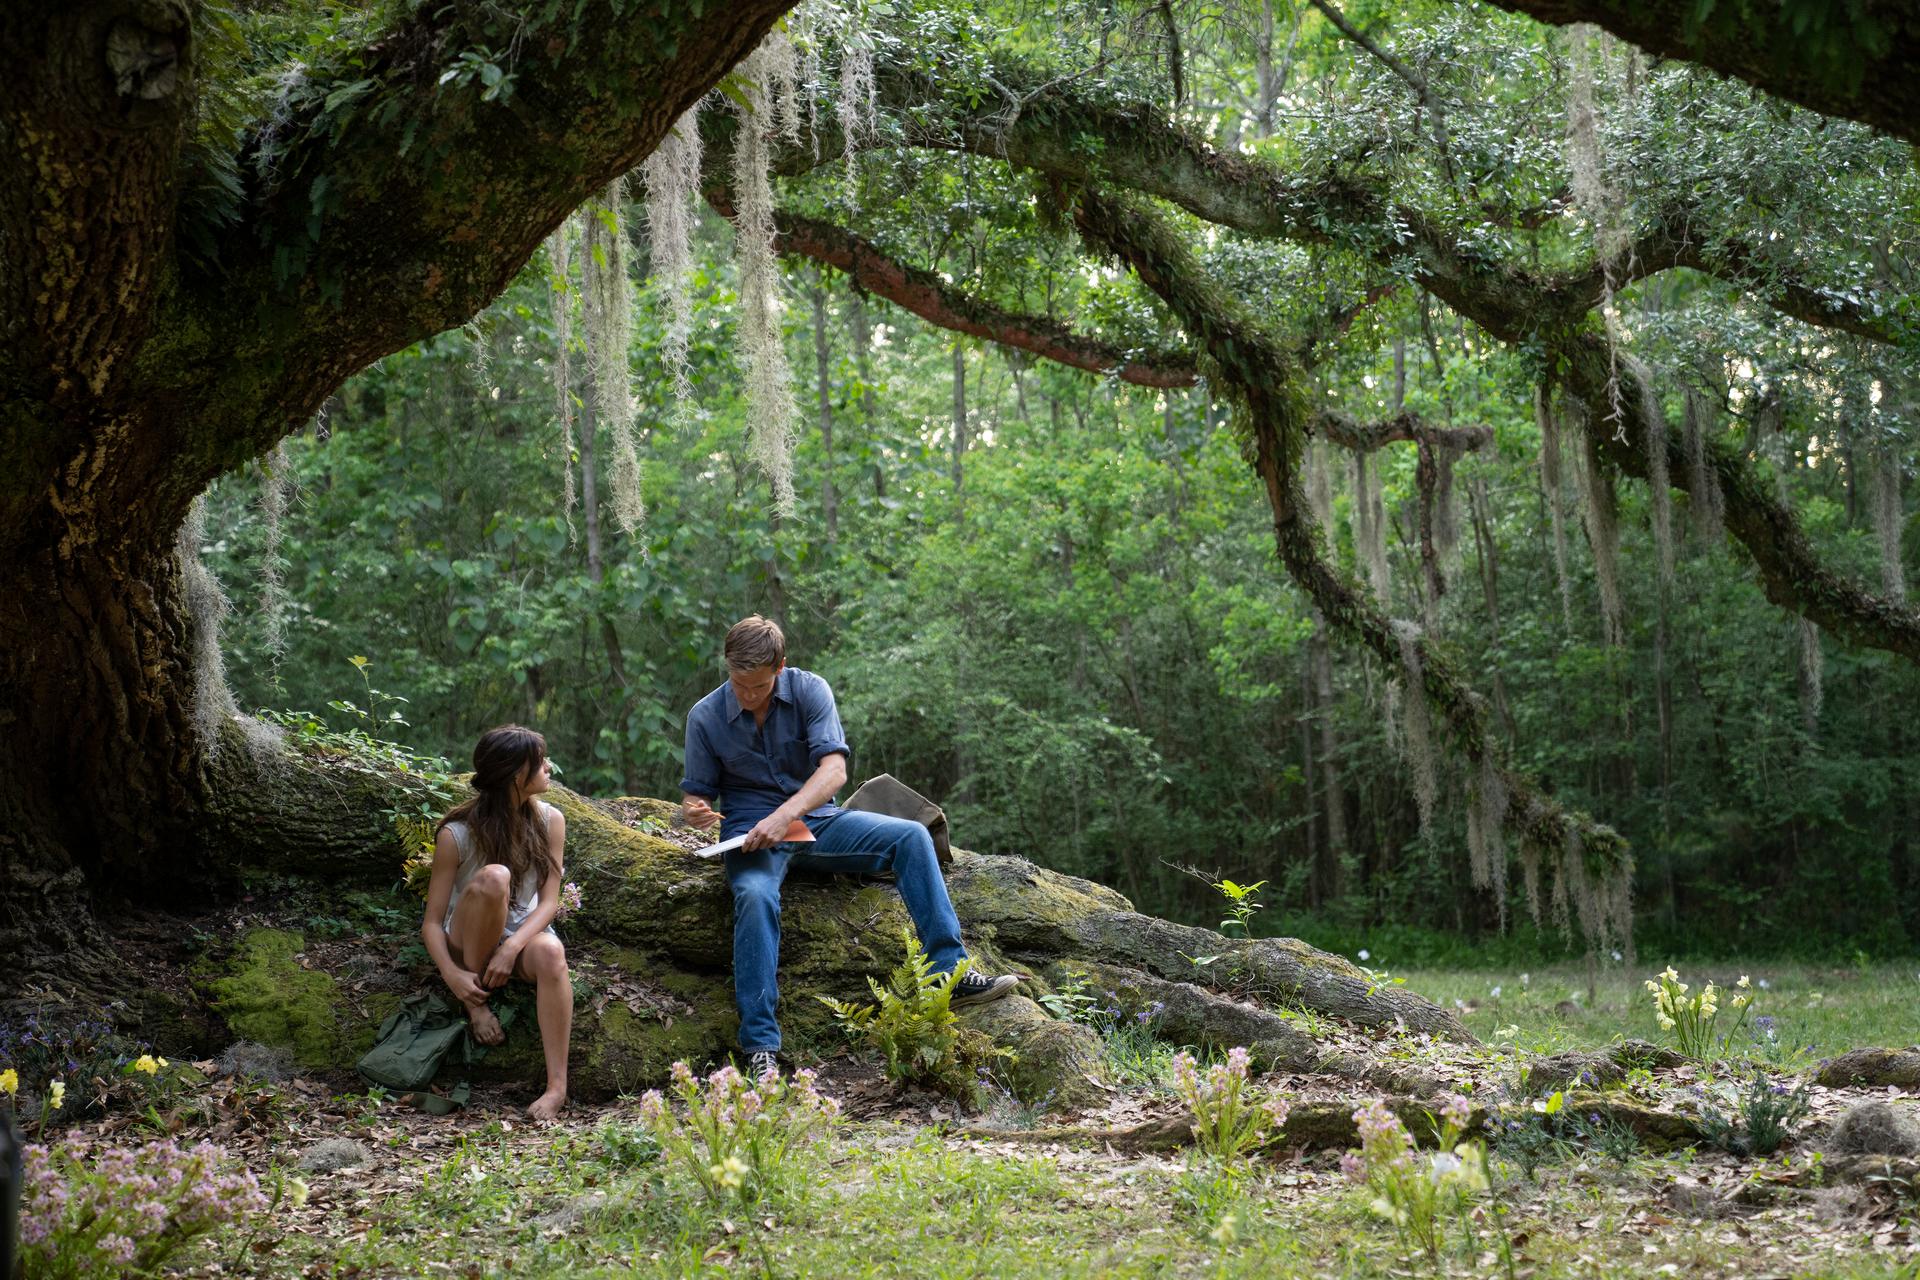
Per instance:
x=545, y=957
x=491, y=881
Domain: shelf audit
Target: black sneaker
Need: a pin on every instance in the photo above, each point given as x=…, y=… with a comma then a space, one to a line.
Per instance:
x=978, y=988
x=758, y=1064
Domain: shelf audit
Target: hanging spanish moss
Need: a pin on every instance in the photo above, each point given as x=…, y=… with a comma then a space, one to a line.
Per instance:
x=779, y=70
x=560, y=301
x=1418, y=749
x=1446, y=509
x=1319, y=475
x=1809, y=672
x=671, y=176
x=206, y=608
x=1659, y=486
x=810, y=37
x=1369, y=528
x=1486, y=847
x=1708, y=504
x=1602, y=511
x=1552, y=486
x=607, y=311
x=480, y=348
x=858, y=108
x=1603, y=904
x=276, y=486
x=1595, y=196
x=1888, y=519
x=762, y=350
x=1530, y=877
x=1390, y=705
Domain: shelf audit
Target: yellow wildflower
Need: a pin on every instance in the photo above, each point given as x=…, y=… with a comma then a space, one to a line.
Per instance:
x=1671, y=975
x=9, y=1082
x=729, y=1173
x=297, y=1191
x=145, y=1062
x=1473, y=1166
x=1743, y=983
x=57, y=1094
x=1740, y=1001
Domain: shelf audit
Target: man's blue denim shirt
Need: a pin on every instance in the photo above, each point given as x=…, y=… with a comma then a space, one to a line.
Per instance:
x=750, y=769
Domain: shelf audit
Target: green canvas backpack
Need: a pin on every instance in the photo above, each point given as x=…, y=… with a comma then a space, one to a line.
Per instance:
x=414, y=1042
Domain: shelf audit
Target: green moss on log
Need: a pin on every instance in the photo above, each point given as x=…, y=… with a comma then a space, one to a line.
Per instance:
x=266, y=995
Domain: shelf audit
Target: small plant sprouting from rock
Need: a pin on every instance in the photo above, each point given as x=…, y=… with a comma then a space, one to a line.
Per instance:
x=913, y=1025
x=1242, y=907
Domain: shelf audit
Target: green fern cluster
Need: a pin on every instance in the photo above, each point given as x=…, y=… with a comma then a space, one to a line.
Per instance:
x=912, y=1023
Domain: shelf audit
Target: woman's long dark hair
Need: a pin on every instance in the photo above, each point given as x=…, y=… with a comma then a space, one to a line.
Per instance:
x=513, y=837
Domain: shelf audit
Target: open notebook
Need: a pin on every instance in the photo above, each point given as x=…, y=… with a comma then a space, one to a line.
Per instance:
x=797, y=833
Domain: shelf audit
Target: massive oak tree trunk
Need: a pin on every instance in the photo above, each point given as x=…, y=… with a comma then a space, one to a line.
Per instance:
x=380, y=206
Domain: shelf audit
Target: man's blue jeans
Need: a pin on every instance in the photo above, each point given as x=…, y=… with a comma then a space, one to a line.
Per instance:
x=849, y=843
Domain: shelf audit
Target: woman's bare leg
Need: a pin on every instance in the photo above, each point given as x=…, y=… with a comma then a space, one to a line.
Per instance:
x=543, y=962
x=479, y=920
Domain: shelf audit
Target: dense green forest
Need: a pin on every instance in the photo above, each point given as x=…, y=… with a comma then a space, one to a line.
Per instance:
x=1049, y=596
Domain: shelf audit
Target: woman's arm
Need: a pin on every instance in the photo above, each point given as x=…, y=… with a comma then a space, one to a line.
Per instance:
x=500, y=964
x=464, y=983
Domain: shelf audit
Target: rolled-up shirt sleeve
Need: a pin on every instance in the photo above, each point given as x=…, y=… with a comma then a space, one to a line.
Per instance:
x=820, y=720
x=702, y=765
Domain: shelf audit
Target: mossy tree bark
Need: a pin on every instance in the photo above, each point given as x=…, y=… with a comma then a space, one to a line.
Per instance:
x=148, y=346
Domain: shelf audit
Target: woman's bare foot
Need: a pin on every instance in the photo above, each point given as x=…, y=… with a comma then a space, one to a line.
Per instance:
x=486, y=1027
x=546, y=1108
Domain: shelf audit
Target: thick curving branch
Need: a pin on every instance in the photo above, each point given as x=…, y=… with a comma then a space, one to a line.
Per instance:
x=926, y=295
x=390, y=196
x=1351, y=433
x=1859, y=60
x=1678, y=240
x=934, y=300
x=1792, y=574
x=1143, y=152
x=1594, y=863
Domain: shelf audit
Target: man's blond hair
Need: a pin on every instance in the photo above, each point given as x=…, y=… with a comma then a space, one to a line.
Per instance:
x=753, y=643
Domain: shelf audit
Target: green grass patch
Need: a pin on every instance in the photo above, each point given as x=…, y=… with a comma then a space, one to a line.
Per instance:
x=1824, y=1009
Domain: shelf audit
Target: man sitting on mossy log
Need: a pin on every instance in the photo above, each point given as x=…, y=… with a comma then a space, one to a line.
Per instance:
x=767, y=744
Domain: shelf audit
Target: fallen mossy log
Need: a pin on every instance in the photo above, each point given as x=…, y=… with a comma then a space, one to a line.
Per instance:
x=1876, y=1068
x=652, y=949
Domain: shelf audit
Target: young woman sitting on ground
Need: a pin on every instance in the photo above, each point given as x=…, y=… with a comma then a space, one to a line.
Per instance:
x=494, y=893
